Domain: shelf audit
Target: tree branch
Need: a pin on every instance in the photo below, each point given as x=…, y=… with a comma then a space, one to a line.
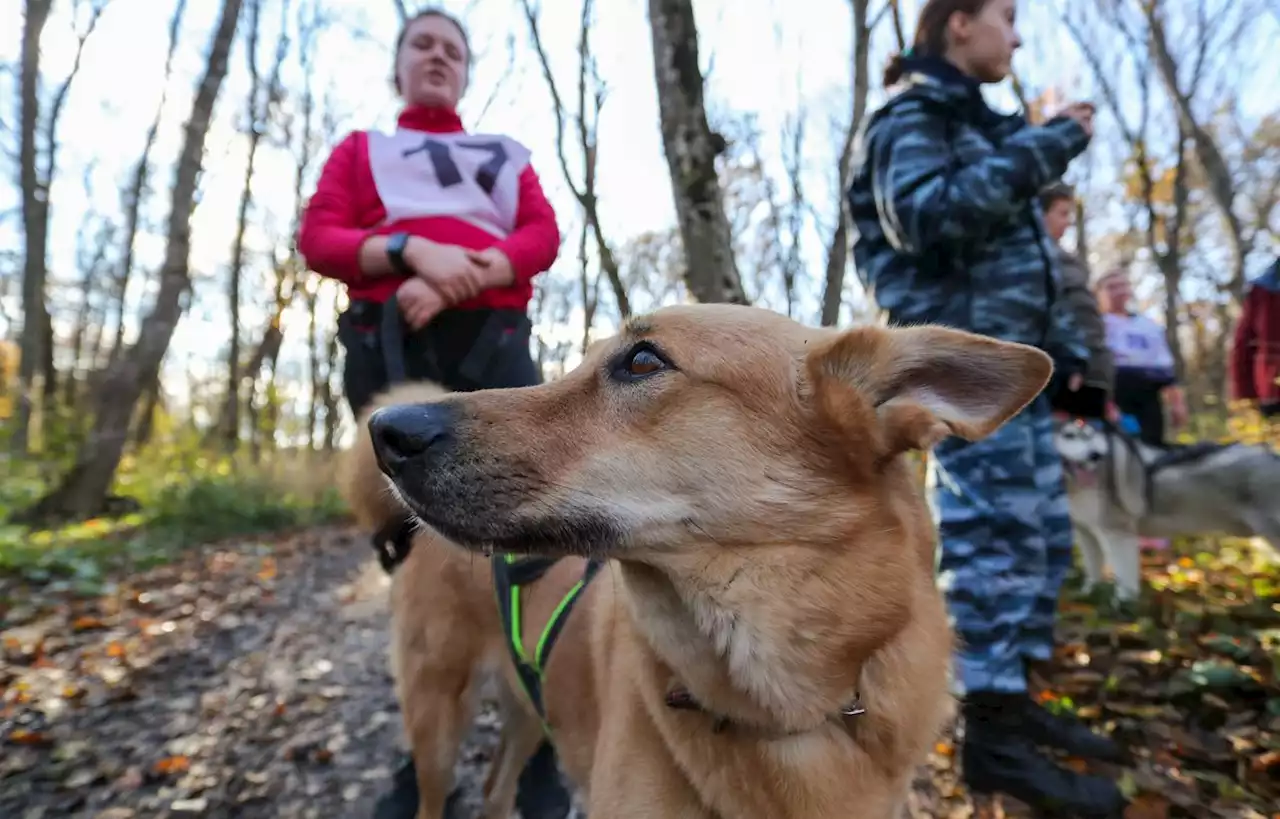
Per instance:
x=60, y=97
x=585, y=121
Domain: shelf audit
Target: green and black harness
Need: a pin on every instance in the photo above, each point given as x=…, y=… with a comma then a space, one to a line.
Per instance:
x=511, y=574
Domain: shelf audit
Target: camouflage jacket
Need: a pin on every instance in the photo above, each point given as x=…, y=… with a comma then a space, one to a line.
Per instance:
x=947, y=226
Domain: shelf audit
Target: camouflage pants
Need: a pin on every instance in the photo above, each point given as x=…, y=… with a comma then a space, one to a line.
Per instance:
x=1005, y=547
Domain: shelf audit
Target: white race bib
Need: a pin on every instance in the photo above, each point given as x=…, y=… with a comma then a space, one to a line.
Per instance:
x=472, y=177
x=1137, y=342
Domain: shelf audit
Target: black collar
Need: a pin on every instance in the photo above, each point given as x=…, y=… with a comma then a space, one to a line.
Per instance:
x=680, y=699
x=393, y=542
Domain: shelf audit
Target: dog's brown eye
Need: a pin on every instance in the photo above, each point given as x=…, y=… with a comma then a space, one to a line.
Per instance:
x=644, y=362
x=639, y=362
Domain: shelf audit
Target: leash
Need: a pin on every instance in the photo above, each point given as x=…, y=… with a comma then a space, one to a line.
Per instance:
x=394, y=540
x=391, y=338
x=391, y=344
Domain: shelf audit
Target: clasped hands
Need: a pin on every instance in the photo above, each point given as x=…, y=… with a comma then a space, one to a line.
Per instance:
x=445, y=275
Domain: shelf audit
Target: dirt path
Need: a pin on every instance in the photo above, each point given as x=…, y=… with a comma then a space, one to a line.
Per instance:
x=249, y=681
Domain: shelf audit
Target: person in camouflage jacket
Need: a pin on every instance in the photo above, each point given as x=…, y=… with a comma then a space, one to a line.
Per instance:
x=948, y=230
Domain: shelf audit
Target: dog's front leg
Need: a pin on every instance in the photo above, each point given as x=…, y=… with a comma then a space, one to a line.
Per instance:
x=1124, y=553
x=1091, y=558
x=436, y=704
x=521, y=733
x=434, y=657
x=633, y=775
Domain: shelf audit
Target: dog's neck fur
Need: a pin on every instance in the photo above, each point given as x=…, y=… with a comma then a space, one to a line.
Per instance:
x=757, y=640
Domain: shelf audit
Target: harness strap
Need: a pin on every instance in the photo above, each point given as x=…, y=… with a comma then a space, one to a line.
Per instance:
x=510, y=575
x=391, y=332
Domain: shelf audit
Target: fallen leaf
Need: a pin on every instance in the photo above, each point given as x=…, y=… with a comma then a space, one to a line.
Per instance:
x=21, y=736
x=172, y=765
x=86, y=623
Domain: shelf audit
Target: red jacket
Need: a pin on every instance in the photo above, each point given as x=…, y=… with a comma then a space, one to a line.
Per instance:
x=1255, y=355
x=452, y=204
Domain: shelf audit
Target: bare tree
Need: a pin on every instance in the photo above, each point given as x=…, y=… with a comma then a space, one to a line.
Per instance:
x=138, y=188
x=1163, y=192
x=94, y=269
x=83, y=491
x=591, y=94
x=1221, y=182
x=36, y=174
x=261, y=99
x=691, y=148
x=860, y=83
x=589, y=286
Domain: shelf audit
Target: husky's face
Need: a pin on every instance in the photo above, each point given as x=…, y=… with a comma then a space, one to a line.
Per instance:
x=1082, y=447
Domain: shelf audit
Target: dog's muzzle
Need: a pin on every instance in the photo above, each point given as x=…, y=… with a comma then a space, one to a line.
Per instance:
x=1084, y=473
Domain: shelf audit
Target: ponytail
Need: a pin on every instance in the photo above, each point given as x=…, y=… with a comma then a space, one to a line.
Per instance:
x=931, y=34
x=895, y=67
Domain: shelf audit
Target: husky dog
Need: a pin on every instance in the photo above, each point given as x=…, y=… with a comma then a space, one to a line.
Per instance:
x=1122, y=489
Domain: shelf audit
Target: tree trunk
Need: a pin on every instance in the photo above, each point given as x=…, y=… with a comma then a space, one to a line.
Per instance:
x=589, y=289
x=313, y=365
x=145, y=425
x=330, y=397
x=691, y=149
x=84, y=489
x=91, y=270
x=838, y=247
x=35, y=224
x=35, y=181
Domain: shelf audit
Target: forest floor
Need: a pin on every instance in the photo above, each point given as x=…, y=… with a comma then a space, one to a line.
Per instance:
x=250, y=679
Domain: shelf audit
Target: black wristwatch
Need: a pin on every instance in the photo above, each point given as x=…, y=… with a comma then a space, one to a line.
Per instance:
x=396, y=243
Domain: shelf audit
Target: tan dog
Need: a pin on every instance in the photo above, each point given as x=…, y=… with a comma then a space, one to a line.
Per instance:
x=770, y=560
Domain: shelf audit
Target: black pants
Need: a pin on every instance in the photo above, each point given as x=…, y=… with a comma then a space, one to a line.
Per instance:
x=1140, y=397
x=462, y=350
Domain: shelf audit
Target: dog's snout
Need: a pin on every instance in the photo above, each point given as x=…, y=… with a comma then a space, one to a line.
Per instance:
x=1094, y=457
x=405, y=432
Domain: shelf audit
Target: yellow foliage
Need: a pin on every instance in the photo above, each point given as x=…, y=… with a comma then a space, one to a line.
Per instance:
x=1162, y=181
x=10, y=353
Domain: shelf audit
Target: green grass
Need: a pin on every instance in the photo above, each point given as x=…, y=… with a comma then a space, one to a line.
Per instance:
x=188, y=498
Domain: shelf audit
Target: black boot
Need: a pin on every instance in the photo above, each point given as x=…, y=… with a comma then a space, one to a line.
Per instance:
x=1063, y=731
x=999, y=757
x=541, y=793
x=401, y=802
x=1066, y=733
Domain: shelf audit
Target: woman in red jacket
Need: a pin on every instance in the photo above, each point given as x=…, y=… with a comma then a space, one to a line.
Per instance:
x=454, y=226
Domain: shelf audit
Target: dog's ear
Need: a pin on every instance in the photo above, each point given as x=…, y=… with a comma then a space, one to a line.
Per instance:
x=922, y=384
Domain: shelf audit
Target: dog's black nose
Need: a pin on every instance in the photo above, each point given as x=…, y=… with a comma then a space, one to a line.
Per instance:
x=407, y=431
